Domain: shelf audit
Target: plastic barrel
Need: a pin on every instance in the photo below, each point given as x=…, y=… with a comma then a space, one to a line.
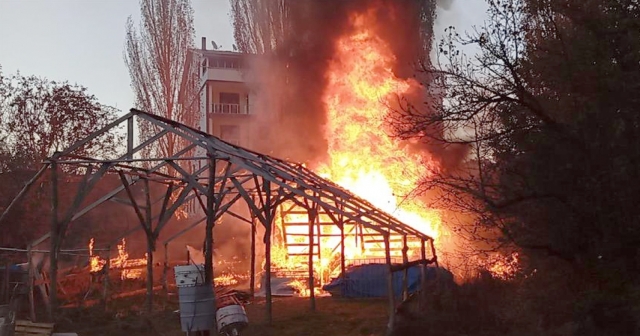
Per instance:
x=231, y=317
x=197, y=311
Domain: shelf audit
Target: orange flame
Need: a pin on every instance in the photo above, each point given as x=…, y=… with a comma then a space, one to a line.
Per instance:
x=95, y=262
x=363, y=157
x=130, y=268
x=503, y=267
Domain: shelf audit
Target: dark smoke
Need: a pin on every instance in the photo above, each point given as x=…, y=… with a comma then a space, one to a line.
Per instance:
x=291, y=72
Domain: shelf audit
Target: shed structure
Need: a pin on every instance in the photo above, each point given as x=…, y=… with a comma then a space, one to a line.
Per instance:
x=215, y=175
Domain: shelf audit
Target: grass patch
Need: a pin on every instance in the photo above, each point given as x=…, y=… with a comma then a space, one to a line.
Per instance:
x=291, y=316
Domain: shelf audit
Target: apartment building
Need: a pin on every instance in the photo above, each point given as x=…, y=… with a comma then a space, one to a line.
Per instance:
x=226, y=101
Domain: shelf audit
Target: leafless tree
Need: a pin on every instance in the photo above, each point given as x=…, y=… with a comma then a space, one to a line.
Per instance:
x=162, y=66
x=529, y=108
x=40, y=116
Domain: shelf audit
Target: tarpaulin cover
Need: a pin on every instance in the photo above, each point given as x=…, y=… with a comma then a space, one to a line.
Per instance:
x=366, y=281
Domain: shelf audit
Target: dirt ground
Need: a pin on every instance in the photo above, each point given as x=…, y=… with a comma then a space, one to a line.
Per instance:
x=291, y=316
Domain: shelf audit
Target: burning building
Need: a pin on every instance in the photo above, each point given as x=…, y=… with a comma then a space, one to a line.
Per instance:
x=322, y=96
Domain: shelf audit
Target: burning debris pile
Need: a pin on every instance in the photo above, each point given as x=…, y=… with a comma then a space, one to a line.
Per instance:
x=129, y=268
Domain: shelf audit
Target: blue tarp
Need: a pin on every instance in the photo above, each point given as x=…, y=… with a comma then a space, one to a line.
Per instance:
x=366, y=281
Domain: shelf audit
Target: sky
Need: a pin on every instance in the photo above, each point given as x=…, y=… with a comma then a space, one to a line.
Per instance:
x=82, y=41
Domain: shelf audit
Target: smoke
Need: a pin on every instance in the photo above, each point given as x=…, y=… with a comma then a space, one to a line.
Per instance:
x=231, y=246
x=290, y=77
x=445, y=4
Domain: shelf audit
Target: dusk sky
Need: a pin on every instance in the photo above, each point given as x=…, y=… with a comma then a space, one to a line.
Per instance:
x=83, y=41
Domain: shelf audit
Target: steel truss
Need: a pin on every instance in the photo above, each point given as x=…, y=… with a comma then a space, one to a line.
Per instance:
x=216, y=176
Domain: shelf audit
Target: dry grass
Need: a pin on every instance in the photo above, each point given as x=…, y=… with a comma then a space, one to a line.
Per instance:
x=291, y=316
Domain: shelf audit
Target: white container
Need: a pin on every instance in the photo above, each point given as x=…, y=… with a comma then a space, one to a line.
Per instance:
x=189, y=275
x=196, y=308
x=230, y=318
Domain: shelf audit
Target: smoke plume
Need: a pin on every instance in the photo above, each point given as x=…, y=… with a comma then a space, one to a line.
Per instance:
x=296, y=40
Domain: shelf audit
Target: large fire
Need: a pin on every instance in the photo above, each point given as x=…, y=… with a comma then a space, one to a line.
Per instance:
x=362, y=157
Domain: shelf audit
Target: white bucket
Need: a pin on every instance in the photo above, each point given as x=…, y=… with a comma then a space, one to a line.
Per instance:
x=231, y=317
x=189, y=275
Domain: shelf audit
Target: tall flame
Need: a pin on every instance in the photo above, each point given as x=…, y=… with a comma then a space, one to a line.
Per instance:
x=363, y=157
x=95, y=262
x=130, y=268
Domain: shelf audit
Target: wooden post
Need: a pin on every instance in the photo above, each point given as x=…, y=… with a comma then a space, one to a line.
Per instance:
x=55, y=242
x=130, y=138
x=312, y=218
x=342, y=257
x=105, y=282
x=267, y=245
x=267, y=265
x=318, y=243
x=208, y=242
x=362, y=238
x=392, y=304
x=252, y=280
x=32, y=307
x=165, y=269
x=151, y=241
x=7, y=278
x=210, y=222
x=405, y=272
x=433, y=254
x=149, y=274
x=423, y=275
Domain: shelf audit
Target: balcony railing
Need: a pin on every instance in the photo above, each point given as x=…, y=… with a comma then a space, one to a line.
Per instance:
x=219, y=108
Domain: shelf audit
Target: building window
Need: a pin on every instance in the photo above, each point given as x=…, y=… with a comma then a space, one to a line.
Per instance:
x=224, y=62
x=230, y=133
x=228, y=103
x=229, y=98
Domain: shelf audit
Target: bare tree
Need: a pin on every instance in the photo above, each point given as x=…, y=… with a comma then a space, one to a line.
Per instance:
x=161, y=64
x=40, y=116
x=543, y=109
x=260, y=26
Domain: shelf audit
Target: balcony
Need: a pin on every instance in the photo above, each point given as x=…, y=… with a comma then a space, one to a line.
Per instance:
x=222, y=74
x=219, y=108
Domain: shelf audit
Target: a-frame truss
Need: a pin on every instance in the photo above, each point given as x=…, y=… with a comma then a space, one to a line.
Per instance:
x=215, y=174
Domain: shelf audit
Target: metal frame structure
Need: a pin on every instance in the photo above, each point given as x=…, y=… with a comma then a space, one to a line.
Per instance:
x=223, y=174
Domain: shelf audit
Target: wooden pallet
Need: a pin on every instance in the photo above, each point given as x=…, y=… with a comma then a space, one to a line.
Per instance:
x=28, y=328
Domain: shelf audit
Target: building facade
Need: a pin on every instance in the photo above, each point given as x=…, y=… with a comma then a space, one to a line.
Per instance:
x=226, y=101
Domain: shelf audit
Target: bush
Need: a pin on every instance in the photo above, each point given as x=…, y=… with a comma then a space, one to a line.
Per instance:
x=558, y=303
